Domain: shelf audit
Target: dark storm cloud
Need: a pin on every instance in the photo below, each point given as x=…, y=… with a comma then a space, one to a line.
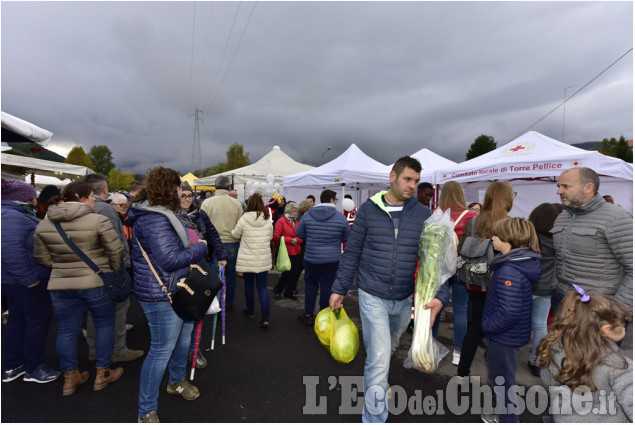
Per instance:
x=391, y=77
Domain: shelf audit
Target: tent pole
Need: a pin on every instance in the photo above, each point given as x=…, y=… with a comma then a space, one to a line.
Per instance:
x=343, y=194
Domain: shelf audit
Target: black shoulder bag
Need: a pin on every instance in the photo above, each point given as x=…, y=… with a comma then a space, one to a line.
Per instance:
x=193, y=294
x=117, y=283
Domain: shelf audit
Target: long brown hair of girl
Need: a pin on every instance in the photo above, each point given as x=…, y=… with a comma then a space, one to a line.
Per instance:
x=499, y=199
x=452, y=197
x=255, y=203
x=576, y=327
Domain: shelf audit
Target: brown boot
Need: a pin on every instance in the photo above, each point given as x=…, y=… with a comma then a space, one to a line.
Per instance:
x=105, y=376
x=72, y=380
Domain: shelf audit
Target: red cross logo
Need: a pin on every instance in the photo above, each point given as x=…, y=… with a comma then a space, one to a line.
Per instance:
x=517, y=148
x=575, y=163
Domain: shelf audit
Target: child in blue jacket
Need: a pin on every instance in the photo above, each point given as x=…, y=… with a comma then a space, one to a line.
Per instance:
x=507, y=313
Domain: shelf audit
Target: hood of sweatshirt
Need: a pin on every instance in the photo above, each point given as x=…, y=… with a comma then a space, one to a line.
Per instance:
x=322, y=212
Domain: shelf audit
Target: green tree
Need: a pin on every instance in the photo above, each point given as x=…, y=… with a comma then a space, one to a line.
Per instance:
x=617, y=149
x=236, y=158
x=214, y=169
x=482, y=144
x=115, y=179
x=77, y=156
x=102, y=158
x=128, y=177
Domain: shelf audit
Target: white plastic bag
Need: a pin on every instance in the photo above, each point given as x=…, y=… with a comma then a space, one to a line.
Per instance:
x=214, y=307
x=437, y=263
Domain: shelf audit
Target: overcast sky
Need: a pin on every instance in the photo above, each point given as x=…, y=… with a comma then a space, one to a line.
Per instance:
x=390, y=77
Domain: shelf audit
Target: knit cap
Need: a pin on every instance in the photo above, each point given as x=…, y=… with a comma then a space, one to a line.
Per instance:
x=14, y=190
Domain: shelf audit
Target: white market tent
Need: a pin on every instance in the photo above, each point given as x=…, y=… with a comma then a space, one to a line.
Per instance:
x=353, y=173
x=42, y=181
x=27, y=165
x=276, y=162
x=25, y=129
x=430, y=163
x=532, y=163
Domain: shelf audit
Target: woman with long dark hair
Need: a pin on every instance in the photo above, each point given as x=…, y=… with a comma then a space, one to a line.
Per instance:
x=74, y=286
x=542, y=217
x=161, y=242
x=254, y=255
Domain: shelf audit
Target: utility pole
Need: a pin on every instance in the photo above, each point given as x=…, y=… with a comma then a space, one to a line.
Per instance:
x=196, y=148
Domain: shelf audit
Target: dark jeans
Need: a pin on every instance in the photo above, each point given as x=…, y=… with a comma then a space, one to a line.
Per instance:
x=501, y=362
x=289, y=279
x=70, y=307
x=30, y=314
x=474, y=333
x=260, y=279
x=230, y=271
x=317, y=276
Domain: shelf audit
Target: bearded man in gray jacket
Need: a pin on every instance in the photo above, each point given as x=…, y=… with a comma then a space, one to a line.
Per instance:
x=593, y=240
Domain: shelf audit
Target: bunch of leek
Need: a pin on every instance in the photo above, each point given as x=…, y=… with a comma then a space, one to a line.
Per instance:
x=436, y=235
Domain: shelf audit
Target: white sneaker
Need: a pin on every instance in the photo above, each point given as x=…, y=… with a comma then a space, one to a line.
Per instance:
x=456, y=357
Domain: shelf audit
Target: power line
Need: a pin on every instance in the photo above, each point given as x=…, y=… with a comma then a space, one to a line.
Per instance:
x=233, y=56
x=231, y=30
x=564, y=101
x=189, y=100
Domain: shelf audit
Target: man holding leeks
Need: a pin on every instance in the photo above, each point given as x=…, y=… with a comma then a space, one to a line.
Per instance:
x=382, y=252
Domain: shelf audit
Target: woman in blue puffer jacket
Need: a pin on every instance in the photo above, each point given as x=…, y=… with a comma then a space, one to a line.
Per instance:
x=161, y=239
x=24, y=284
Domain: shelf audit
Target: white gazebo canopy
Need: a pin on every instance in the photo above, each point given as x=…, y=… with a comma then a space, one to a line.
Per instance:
x=276, y=163
x=532, y=163
x=350, y=173
x=430, y=163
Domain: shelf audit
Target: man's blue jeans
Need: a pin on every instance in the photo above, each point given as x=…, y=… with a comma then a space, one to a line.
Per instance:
x=260, y=279
x=383, y=323
x=230, y=271
x=169, y=348
x=70, y=307
x=539, y=314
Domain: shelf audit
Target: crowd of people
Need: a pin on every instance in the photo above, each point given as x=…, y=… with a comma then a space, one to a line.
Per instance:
x=572, y=260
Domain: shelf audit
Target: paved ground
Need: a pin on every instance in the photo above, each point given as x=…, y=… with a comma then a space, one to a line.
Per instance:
x=257, y=376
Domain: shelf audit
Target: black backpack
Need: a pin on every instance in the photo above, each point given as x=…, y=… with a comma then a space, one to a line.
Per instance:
x=472, y=264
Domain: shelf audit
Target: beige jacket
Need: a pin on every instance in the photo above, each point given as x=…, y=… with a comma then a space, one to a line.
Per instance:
x=92, y=233
x=254, y=254
x=224, y=212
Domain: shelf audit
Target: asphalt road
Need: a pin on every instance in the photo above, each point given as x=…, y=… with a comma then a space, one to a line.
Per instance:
x=279, y=374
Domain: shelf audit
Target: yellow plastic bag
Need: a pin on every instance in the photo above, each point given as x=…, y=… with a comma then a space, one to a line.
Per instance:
x=337, y=333
x=344, y=337
x=322, y=327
